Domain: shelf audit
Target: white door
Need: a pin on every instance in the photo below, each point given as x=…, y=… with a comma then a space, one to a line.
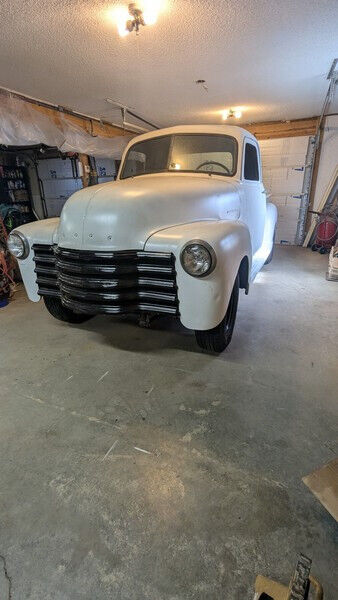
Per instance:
x=253, y=195
x=283, y=163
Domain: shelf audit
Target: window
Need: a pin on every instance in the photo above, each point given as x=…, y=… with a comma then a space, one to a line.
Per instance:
x=203, y=153
x=150, y=156
x=251, y=170
x=198, y=153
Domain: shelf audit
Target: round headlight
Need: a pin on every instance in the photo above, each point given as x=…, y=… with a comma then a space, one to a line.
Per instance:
x=198, y=259
x=17, y=245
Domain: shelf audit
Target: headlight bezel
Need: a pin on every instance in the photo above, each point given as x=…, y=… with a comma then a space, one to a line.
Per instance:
x=210, y=250
x=25, y=244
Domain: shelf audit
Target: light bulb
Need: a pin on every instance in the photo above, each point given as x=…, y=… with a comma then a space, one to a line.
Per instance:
x=237, y=114
x=120, y=17
x=225, y=114
x=123, y=31
x=151, y=8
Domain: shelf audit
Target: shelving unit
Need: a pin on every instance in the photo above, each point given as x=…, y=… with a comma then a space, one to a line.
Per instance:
x=15, y=194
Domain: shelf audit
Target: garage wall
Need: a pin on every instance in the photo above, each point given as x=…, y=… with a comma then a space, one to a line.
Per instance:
x=58, y=183
x=283, y=162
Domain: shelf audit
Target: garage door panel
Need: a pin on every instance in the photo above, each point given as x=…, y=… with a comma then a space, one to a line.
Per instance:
x=283, y=163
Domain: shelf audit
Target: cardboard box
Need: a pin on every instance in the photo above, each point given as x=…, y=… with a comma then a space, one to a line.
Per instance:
x=323, y=483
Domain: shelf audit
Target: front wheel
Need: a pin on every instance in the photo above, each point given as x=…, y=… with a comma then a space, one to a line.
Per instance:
x=218, y=338
x=62, y=313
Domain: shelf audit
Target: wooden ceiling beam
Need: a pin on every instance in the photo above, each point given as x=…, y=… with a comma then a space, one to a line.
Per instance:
x=91, y=126
x=280, y=129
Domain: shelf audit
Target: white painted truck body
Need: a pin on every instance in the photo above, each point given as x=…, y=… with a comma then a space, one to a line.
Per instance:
x=161, y=212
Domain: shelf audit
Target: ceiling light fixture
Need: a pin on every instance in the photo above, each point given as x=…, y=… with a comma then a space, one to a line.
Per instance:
x=203, y=83
x=134, y=16
x=230, y=113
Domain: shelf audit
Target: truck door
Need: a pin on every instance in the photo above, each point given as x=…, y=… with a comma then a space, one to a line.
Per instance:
x=253, y=196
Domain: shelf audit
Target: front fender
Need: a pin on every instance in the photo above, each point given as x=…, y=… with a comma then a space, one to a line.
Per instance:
x=203, y=301
x=38, y=232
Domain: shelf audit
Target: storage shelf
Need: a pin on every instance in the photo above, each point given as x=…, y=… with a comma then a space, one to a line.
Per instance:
x=20, y=202
x=58, y=178
x=13, y=178
x=23, y=204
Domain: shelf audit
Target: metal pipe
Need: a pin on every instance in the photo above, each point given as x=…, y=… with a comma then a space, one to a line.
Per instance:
x=305, y=194
x=143, y=129
x=126, y=110
x=132, y=114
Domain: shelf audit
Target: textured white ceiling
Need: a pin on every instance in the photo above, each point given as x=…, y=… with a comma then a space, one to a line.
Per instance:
x=269, y=56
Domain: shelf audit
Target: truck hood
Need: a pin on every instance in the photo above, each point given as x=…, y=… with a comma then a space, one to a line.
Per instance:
x=123, y=214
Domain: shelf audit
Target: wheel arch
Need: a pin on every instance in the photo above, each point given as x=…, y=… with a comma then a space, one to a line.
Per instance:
x=203, y=301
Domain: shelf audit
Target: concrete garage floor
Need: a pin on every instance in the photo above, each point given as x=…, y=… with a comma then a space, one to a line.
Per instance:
x=218, y=496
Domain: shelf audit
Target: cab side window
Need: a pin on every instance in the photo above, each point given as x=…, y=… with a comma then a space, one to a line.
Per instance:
x=251, y=170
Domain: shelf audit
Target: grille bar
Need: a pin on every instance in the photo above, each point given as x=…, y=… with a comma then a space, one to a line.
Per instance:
x=119, y=269
x=113, y=283
x=95, y=309
x=126, y=295
x=95, y=282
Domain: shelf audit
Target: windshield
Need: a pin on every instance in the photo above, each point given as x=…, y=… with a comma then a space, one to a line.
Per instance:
x=196, y=153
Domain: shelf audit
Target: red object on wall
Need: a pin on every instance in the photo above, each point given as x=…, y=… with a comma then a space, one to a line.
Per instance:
x=326, y=232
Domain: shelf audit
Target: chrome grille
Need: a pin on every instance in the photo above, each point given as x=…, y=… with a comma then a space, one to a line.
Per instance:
x=96, y=282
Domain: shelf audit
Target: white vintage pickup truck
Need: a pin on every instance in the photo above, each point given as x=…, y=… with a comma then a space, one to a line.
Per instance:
x=184, y=226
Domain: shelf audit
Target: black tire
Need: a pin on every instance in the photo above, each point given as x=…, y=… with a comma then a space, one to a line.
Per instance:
x=60, y=312
x=218, y=338
x=314, y=247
